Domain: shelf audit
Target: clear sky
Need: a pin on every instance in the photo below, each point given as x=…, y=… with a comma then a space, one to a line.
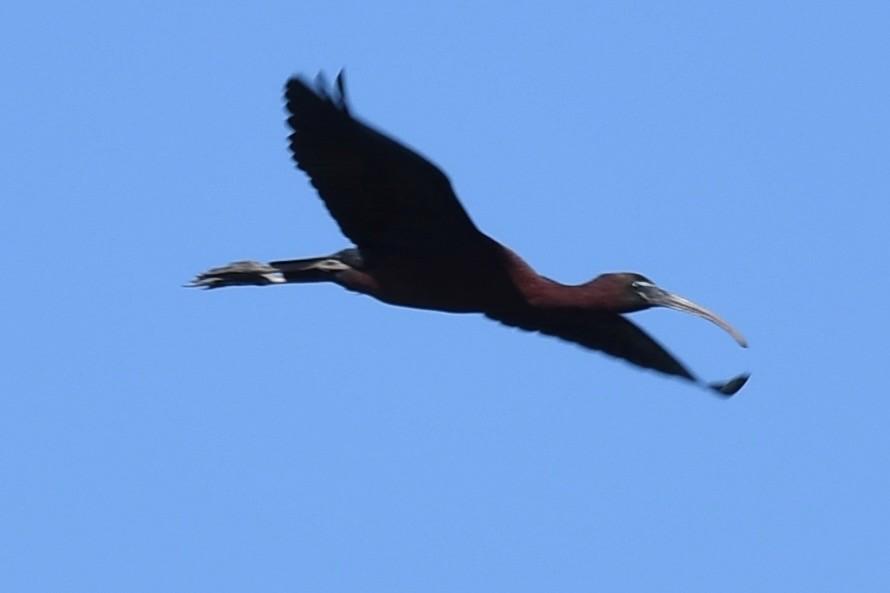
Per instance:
x=303, y=438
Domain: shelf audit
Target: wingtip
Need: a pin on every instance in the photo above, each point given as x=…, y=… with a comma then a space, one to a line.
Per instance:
x=340, y=83
x=299, y=88
x=732, y=386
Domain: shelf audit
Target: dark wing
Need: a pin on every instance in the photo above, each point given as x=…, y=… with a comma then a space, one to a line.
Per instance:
x=612, y=334
x=381, y=193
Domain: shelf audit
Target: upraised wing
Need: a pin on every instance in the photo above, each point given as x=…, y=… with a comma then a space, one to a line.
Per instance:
x=381, y=193
x=612, y=334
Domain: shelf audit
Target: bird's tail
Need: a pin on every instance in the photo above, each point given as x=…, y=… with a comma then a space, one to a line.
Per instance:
x=254, y=273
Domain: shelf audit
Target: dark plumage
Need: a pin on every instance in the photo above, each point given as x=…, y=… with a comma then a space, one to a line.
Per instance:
x=416, y=246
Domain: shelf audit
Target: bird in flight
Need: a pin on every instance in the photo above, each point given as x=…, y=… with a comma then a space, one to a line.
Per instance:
x=416, y=246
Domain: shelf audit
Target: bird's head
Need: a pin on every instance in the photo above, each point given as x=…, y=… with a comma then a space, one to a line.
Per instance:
x=627, y=292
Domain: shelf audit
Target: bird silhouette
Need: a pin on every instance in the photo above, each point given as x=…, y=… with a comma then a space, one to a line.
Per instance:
x=416, y=246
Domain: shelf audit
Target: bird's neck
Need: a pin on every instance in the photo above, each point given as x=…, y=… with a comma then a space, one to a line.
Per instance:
x=542, y=292
x=592, y=295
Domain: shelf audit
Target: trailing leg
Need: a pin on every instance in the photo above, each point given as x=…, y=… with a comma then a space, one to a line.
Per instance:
x=254, y=273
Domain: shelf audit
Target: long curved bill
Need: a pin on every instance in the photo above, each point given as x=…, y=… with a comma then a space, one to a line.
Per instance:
x=659, y=297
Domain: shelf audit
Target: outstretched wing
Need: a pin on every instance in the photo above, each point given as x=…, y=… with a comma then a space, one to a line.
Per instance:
x=612, y=334
x=607, y=332
x=381, y=193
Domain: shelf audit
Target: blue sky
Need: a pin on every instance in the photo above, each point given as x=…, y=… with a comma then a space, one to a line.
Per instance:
x=303, y=438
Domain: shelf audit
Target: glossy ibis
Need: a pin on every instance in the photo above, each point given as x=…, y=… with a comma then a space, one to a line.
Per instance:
x=416, y=246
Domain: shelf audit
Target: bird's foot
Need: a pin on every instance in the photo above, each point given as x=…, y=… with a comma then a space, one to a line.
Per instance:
x=239, y=273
